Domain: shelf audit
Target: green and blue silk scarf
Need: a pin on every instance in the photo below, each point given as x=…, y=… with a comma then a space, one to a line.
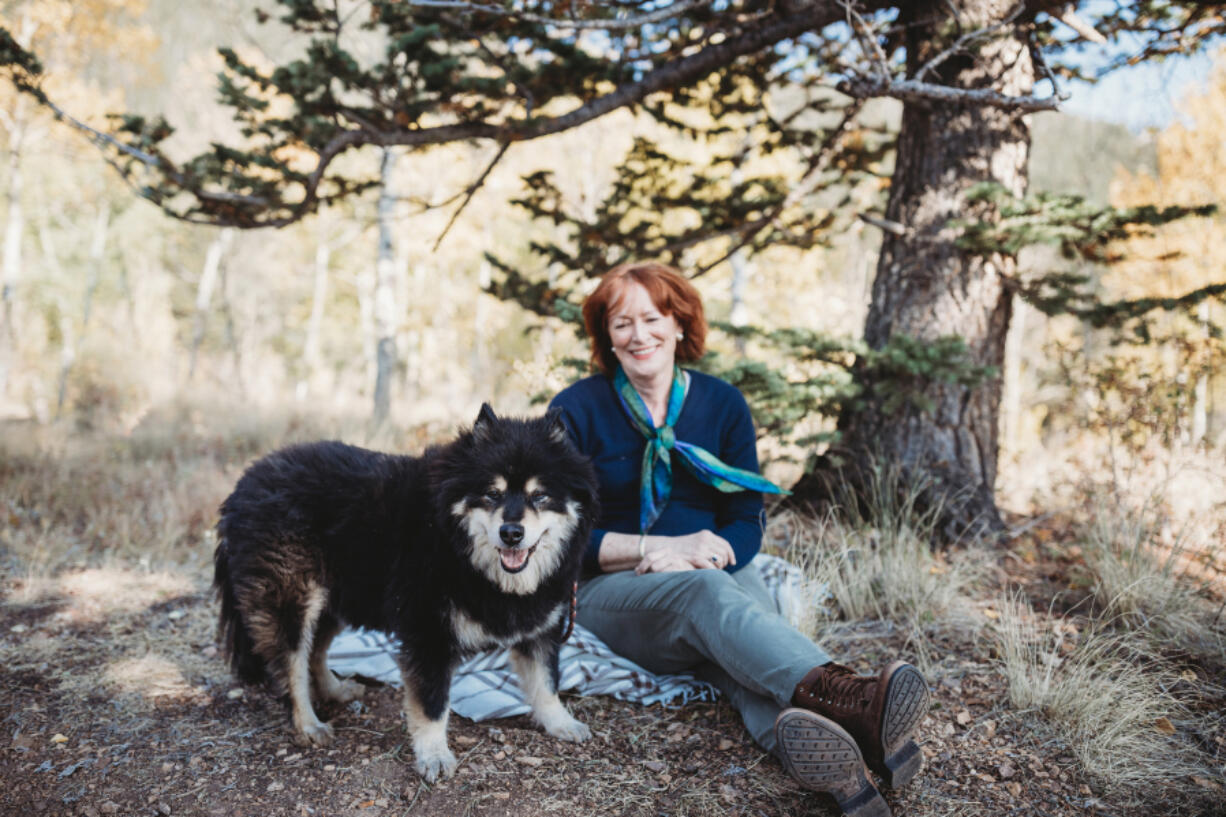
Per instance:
x=656, y=475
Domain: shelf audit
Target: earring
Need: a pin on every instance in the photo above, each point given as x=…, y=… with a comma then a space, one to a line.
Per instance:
x=680, y=336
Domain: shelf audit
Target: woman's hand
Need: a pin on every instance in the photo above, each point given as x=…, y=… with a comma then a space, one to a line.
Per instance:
x=694, y=551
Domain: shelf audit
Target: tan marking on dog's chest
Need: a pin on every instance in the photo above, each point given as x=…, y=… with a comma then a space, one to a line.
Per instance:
x=472, y=635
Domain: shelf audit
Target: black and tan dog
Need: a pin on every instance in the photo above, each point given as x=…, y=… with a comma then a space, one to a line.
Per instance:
x=471, y=546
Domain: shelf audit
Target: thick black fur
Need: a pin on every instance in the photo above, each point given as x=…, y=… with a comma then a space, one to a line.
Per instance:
x=379, y=534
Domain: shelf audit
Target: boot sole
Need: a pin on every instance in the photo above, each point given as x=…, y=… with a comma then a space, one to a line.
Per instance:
x=822, y=756
x=906, y=701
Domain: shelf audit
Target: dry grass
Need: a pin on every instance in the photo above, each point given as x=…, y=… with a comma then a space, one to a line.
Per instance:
x=1144, y=583
x=1102, y=695
x=880, y=563
x=89, y=501
x=147, y=495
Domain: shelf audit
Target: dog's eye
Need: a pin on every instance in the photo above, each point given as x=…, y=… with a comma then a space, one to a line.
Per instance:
x=493, y=494
x=538, y=497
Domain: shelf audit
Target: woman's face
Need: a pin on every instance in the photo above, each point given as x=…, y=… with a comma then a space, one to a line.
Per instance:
x=644, y=339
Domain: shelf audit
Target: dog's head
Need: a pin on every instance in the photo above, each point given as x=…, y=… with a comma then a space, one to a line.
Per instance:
x=523, y=495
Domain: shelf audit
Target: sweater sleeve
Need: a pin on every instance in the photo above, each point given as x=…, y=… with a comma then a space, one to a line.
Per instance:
x=591, y=556
x=739, y=515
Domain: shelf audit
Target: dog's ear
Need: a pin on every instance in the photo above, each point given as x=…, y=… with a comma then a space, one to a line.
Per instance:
x=557, y=428
x=485, y=422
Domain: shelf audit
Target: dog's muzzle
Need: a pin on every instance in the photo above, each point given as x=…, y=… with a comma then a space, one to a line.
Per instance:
x=514, y=557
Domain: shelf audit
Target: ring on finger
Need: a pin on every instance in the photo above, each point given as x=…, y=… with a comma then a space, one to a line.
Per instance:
x=715, y=559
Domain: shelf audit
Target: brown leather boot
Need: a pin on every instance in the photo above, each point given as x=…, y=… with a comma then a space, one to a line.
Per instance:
x=822, y=756
x=880, y=713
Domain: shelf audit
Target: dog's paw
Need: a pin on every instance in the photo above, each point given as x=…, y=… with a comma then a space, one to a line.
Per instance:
x=315, y=734
x=432, y=766
x=569, y=729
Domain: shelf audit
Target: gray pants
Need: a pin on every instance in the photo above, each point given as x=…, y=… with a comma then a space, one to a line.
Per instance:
x=721, y=626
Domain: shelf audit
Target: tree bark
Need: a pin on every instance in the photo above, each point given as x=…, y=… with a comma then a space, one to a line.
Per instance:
x=926, y=287
x=385, y=295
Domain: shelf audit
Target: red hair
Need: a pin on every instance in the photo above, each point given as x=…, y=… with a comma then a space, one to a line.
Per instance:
x=671, y=293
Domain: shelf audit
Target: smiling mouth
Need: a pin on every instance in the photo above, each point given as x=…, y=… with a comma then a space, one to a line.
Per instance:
x=515, y=559
x=641, y=354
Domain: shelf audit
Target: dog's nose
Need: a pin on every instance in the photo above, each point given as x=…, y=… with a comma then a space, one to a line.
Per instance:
x=511, y=533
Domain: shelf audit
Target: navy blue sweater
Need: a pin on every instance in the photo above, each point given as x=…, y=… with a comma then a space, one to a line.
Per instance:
x=715, y=417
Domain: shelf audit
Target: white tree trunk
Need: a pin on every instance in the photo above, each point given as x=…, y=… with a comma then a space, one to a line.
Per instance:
x=17, y=125
x=738, y=315
x=1200, y=401
x=14, y=227
x=1011, y=385
x=385, y=294
x=204, y=293
x=480, y=354
x=311, y=349
x=232, y=338
x=72, y=346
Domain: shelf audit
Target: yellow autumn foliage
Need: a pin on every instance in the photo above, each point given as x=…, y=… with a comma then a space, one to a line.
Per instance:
x=1191, y=160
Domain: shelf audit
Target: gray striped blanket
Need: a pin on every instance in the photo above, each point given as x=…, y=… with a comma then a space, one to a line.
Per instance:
x=484, y=686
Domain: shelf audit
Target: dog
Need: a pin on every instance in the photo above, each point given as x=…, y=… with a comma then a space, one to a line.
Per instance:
x=474, y=545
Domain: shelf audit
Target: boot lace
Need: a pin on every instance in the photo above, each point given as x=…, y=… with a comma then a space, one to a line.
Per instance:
x=842, y=688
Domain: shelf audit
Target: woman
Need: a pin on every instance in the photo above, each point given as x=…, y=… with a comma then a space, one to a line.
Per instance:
x=673, y=585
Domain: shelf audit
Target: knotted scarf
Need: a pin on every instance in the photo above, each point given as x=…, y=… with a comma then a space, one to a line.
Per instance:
x=656, y=474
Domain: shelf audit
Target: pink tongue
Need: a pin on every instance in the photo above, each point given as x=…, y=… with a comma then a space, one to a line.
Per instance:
x=512, y=559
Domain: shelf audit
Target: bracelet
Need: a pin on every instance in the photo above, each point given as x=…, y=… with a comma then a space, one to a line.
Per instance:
x=642, y=545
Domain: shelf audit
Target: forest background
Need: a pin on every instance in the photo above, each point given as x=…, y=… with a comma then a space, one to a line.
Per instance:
x=147, y=360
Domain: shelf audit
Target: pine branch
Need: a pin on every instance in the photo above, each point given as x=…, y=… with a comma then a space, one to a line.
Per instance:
x=909, y=90
x=1078, y=228
x=245, y=210
x=577, y=23
x=1065, y=295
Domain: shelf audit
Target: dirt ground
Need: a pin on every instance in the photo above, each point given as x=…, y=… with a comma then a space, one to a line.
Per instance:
x=115, y=702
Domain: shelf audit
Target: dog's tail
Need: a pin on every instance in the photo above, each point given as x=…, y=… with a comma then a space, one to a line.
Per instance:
x=231, y=629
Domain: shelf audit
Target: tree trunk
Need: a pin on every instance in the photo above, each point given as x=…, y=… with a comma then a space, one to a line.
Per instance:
x=385, y=295
x=1200, y=401
x=479, y=365
x=18, y=126
x=232, y=338
x=312, y=355
x=14, y=227
x=204, y=293
x=72, y=347
x=1011, y=386
x=738, y=313
x=926, y=287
